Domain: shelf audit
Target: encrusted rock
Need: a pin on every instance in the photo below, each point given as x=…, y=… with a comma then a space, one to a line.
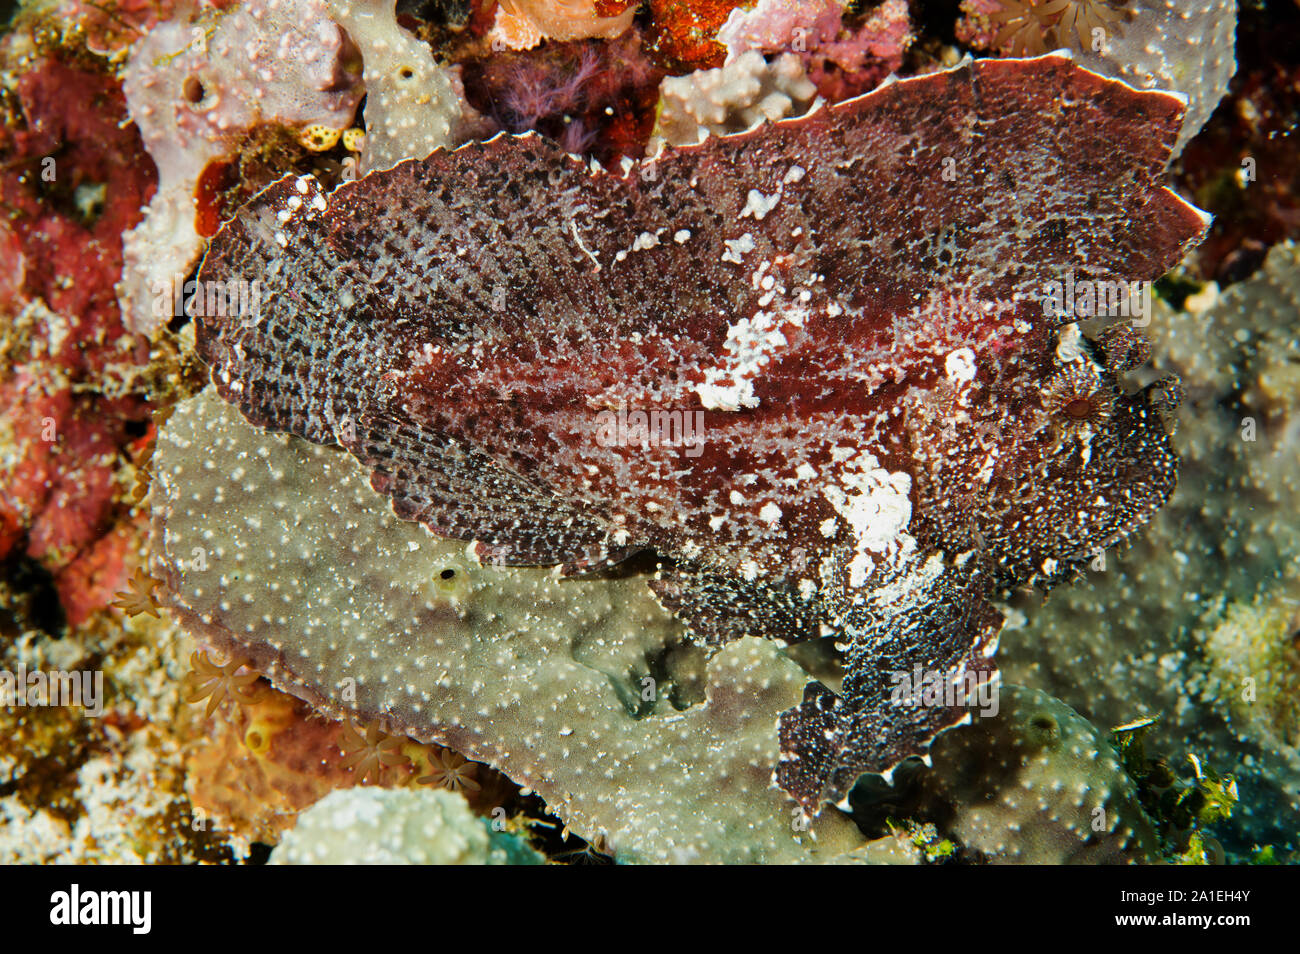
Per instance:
x=1253, y=670
x=834, y=52
x=194, y=85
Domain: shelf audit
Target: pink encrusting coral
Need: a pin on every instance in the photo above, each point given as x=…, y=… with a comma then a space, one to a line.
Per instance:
x=842, y=59
x=110, y=26
x=74, y=177
x=14, y=275
x=61, y=496
x=808, y=365
x=773, y=26
x=864, y=57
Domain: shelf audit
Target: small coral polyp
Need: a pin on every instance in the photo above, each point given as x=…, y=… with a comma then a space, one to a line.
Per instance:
x=1079, y=402
x=857, y=327
x=1033, y=26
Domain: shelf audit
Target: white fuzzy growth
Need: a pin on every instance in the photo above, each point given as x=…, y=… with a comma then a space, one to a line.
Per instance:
x=960, y=366
x=758, y=205
x=738, y=247
x=378, y=826
x=644, y=241
x=877, y=508
x=731, y=397
x=750, y=344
